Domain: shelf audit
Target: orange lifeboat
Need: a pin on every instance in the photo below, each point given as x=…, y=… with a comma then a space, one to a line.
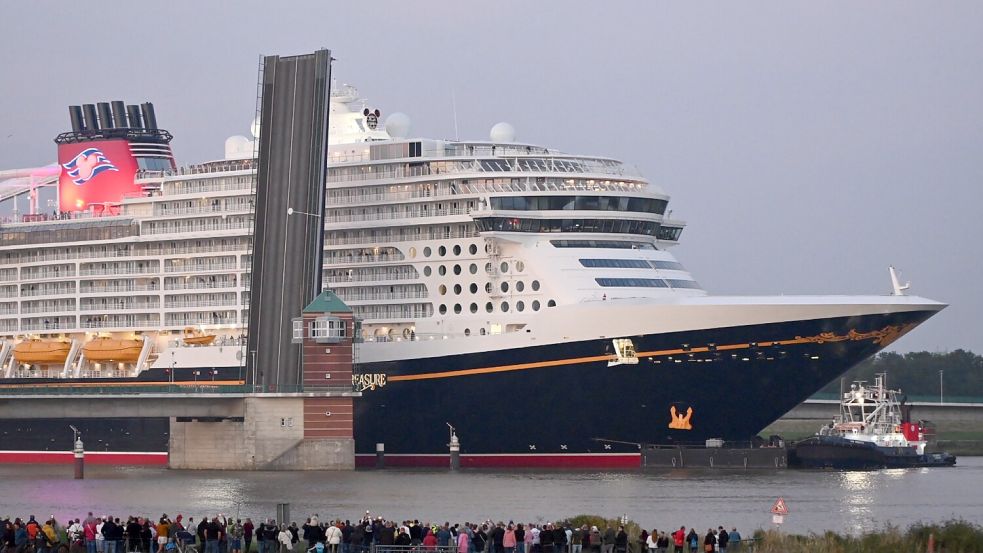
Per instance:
x=42, y=352
x=113, y=349
x=195, y=337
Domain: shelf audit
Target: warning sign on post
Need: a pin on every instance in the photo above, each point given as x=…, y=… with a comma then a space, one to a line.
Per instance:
x=779, y=508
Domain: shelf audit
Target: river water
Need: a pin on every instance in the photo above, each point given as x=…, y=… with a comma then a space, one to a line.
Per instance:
x=817, y=500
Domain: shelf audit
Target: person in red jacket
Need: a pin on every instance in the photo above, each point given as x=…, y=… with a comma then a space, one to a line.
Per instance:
x=679, y=538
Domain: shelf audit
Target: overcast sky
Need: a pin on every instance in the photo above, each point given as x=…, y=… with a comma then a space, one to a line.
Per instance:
x=807, y=145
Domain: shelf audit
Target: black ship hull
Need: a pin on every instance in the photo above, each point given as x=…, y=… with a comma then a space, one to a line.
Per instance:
x=562, y=405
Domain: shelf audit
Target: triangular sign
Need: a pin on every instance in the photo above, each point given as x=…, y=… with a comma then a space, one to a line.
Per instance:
x=780, y=508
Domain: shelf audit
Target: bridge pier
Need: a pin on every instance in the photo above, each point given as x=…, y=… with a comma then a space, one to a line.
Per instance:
x=277, y=432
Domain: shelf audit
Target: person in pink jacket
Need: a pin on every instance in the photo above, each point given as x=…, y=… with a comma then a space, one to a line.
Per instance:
x=462, y=542
x=508, y=541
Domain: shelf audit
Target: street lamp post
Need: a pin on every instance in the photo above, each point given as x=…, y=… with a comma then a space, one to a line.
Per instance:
x=940, y=387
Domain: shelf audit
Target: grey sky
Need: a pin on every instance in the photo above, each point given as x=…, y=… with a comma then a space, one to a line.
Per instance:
x=808, y=145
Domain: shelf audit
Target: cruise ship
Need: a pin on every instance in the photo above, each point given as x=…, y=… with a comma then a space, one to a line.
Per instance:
x=524, y=296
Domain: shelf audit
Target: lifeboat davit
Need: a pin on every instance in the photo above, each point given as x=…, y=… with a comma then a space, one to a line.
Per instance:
x=113, y=349
x=42, y=352
x=195, y=337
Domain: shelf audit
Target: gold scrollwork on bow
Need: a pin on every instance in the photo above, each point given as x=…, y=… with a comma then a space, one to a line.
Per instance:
x=882, y=337
x=679, y=421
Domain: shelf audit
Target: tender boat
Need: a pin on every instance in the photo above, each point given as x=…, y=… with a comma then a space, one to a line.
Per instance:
x=37, y=351
x=197, y=337
x=113, y=349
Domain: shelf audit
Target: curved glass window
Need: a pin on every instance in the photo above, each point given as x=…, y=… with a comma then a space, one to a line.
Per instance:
x=677, y=283
x=632, y=282
x=613, y=244
x=616, y=263
x=584, y=203
x=668, y=265
x=607, y=226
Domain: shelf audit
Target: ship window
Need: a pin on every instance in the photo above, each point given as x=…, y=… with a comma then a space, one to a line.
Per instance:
x=488, y=268
x=442, y=270
x=474, y=307
x=520, y=266
x=607, y=226
x=457, y=250
x=612, y=244
x=481, y=331
x=427, y=271
x=473, y=268
x=489, y=307
x=631, y=282
x=442, y=289
x=668, y=265
x=678, y=283
x=473, y=288
x=412, y=252
x=427, y=251
x=442, y=251
x=473, y=249
x=505, y=307
x=505, y=286
x=489, y=287
x=669, y=233
x=535, y=286
x=457, y=269
x=457, y=308
x=520, y=286
x=520, y=306
x=505, y=267
x=467, y=332
x=457, y=289
x=616, y=263
x=580, y=203
x=535, y=305
x=551, y=303
x=442, y=309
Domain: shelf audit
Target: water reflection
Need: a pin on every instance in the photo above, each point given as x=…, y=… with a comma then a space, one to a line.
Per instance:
x=819, y=500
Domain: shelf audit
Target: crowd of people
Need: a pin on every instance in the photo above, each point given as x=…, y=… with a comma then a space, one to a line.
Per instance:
x=222, y=534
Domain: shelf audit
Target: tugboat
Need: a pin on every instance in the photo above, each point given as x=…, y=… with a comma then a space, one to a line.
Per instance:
x=873, y=430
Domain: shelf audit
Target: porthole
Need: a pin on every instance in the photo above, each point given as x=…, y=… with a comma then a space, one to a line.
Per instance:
x=474, y=307
x=505, y=286
x=520, y=306
x=535, y=285
x=457, y=308
x=457, y=250
x=488, y=268
x=473, y=268
x=520, y=286
x=442, y=289
x=442, y=251
x=520, y=266
x=467, y=332
x=505, y=307
x=489, y=288
x=505, y=267
x=473, y=288
x=427, y=251
x=457, y=289
x=457, y=269
x=412, y=253
x=482, y=332
x=489, y=307
x=473, y=249
x=551, y=303
x=427, y=270
x=535, y=305
x=442, y=270
x=442, y=309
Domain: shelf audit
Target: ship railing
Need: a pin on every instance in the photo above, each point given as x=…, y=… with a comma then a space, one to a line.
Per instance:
x=117, y=289
x=208, y=303
x=41, y=309
x=411, y=214
x=383, y=296
x=370, y=278
x=46, y=291
x=200, y=286
x=120, y=303
x=160, y=211
x=125, y=323
x=196, y=268
x=396, y=237
x=342, y=260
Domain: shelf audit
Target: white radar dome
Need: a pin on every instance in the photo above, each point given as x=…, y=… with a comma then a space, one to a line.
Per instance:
x=502, y=132
x=254, y=128
x=398, y=125
x=238, y=147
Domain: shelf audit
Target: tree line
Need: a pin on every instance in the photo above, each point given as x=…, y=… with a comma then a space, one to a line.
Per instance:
x=917, y=373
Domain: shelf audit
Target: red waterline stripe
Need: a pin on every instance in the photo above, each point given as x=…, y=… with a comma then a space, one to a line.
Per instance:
x=548, y=460
x=91, y=458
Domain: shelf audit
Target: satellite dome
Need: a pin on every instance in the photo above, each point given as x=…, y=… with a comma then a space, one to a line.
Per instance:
x=254, y=128
x=398, y=125
x=238, y=147
x=502, y=132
